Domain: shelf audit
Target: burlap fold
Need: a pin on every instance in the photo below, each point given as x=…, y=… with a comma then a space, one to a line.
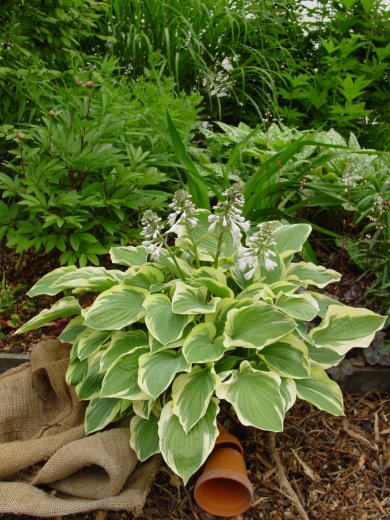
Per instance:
x=48, y=467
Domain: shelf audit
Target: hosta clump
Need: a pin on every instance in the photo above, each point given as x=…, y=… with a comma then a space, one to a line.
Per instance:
x=222, y=314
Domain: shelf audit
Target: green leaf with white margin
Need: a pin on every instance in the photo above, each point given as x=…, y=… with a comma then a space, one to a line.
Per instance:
x=101, y=412
x=324, y=357
x=290, y=239
x=324, y=302
x=89, y=279
x=223, y=307
x=116, y=308
x=256, y=326
x=214, y=280
x=200, y=345
x=90, y=385
x=44, y=285
x=146, y=276
x=321, y=391
x=192, y=300
x=287, y=357
x=65, y=307
x=346, y=327
x=310, y=274
x=288, y=391
x=74, y=328
x=191, y=394
x=185, y=452
x=128, y=255
x=122, y=343
x=144, y=436
x=157, y=371
x=121, y=378
x=165, y=325
x=143, y=408
x=274, y=275
x=76, y=371
x=89, y=341
x=255, y=396
x=298, y=306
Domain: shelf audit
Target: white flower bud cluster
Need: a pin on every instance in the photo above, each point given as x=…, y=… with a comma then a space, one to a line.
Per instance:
x=152, y=231
x=228, y=213
x=183, y=212
x=259, y=249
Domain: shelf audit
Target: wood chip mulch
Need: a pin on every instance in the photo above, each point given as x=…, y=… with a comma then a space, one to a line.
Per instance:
x=321, y=467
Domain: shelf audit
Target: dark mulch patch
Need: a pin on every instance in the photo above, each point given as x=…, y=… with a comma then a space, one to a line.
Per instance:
x=338, y=469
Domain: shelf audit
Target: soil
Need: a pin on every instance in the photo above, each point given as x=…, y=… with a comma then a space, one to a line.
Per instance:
x=321, y=467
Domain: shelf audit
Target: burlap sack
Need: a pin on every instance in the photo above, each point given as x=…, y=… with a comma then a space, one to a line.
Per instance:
x=43, y=443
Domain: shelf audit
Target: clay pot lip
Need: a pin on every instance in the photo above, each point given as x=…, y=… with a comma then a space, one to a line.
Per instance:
x=225, y=473
x=226, y=439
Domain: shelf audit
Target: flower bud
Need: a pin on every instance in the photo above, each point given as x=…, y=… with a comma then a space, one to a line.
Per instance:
x=52, y=113
x=89, y=84
x=79, y=83
x=20, y=136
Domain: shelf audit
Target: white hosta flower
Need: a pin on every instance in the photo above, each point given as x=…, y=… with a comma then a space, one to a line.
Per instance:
x=183, y=213
x=259, y=251
x=152, y=231
x=228, y=213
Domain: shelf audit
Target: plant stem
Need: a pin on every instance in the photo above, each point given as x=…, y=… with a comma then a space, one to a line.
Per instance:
x=172, y=255
x=219, y=246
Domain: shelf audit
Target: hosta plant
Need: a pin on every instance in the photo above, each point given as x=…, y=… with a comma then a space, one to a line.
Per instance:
x=207, y=309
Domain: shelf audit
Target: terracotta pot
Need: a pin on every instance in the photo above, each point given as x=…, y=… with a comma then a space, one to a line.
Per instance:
x=224, y=489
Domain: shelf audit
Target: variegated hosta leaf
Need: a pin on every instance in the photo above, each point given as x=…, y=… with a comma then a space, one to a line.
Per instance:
x=67, y=306
x=89, y=341
x=288, y=392
x=121, y=378
x=324, y=302
x=72, y=330
x=122, y=343
x=90, y=385
x=256, y=326
x=76, y=371
x=255, y=396
x=200, y=345
x=276, y=274
x=310, y=274
x=143, y=408
x=192, y=300
x=146, y=276
x=101, y=412
x=214, y=280
x=157, y=371
x=287, y=357
x=89, y=279
x=321, y=391
x=325, y=357
x=191, y=394
x=255, y=291
x=185, y=267
x=165, y=325
x=299, y=306
x=283, y=287
x=128, y=255
x=144, y=436
x=44, y=285
x=185, y=452
x=223, y=307
x=290, y=238
x=116, y=308
x=345, y=327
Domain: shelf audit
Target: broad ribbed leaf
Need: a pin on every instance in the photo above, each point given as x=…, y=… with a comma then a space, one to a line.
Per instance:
x=288, y=391
x=345, y=327
x=324, y=302
x=146, y=276
x=143, y=408
x=116, y=308
x=310, y=274
x=290, y=239
x=90, y=385
x=165, y=325
x=321, y=391
x=122, y=343
x=90, y=340
x=74, y=328
x=44, y=285
x=121, y=378
x=128, y=255
x=67, y=306
x=157, y=371
x=89, y=279
x=76, y=371
x=101, y=412
x=185, y=452
x=256, y=326
x=255, y=397
x=192, y=300
x=325, y=357
x=144, y=436
x=299, y=306
x=191, y=394
x=287, y=357
x=200, y=345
